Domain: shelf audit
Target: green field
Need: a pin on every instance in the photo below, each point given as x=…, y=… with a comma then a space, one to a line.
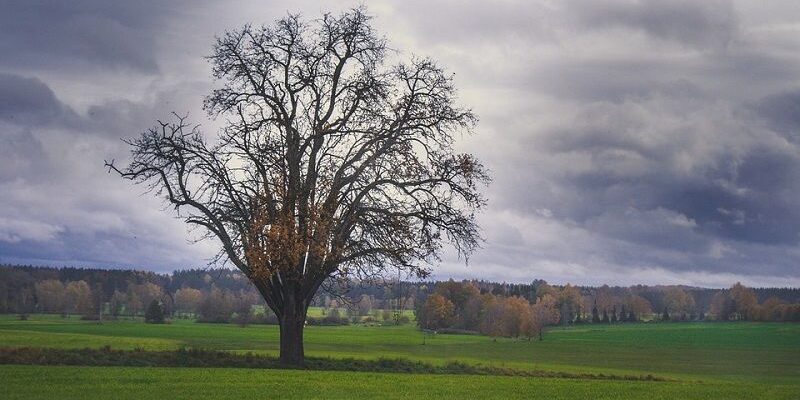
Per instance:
x=704, y=360
x=25, y=382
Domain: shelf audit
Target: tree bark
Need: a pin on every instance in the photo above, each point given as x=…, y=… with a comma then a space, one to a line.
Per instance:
x=292, y=323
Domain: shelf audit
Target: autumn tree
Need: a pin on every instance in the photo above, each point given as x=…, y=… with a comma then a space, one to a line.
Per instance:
x=638, y=306
x=50, y=295
x=492, y=321
x=569, y=302
x=78, y=298
x=243, y=306
x=744, y=300
x=542, y=288
x=364, y=305
x=147, y=292
x=457, y=292
x=738, y=302
x=332, y=163
x=770, y=309
x=544, y=312
x=217, y=306
x=187, y=300
x=604, y=299
x=678, y=302
x=516, y=316
x=465, y=297
x=436, y=313
x=117, y=302
x=473, y=311
x=133, y=304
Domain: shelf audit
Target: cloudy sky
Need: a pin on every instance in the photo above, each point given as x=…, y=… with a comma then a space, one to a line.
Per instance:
x=630, y=141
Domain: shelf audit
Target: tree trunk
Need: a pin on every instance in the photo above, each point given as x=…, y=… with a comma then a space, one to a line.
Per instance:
x=292, y=323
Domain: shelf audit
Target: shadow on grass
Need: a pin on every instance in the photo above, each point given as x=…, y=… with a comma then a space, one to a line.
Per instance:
x=193, y=357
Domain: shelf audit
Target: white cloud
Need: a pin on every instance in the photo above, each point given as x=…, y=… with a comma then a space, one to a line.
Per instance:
x=15, y=230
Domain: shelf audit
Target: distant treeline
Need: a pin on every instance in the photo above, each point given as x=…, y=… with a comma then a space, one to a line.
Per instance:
x=221, y=295
x=463, y=306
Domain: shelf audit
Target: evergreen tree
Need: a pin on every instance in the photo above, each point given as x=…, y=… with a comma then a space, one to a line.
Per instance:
x=605, y=317
x=154, y=313
x=665, y=315
x=595, y=315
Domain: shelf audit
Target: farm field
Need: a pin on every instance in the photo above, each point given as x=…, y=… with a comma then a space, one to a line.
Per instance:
x=33, y=382
x=703, y=360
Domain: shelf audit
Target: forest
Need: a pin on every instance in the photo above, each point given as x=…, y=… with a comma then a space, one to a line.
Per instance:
x=492, y=308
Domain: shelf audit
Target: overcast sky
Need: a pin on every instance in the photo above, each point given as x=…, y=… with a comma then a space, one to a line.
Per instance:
x=629, y=141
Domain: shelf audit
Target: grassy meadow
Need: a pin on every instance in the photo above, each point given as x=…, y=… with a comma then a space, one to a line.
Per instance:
x=701, y=360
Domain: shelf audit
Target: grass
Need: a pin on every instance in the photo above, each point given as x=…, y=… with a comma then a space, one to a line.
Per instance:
x=209, y=383
x=713, y=358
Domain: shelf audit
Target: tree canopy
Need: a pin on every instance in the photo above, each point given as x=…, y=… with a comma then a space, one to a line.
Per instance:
x=332, y=162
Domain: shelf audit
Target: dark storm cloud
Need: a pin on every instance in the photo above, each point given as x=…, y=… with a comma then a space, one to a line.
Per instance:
x=92, y=34
x=101, y=249
x=28, y=101
x=630, y=141
x=722, y=178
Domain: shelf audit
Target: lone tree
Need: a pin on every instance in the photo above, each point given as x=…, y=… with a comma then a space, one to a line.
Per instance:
x=332, y=163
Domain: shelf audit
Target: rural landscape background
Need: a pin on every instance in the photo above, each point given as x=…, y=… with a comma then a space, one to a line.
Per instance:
x=107, y=331
x=417, y=199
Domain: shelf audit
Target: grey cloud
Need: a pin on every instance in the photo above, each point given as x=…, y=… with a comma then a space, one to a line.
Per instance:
x=632, y=144
x=29, y=101
x=450, y=21
x=83, y=35
x=614, y=80
x=126, y=118
x=781, y=112
x=59, y=206
x=21, y=154
x=696, y=24
x=656, y=227
x=630, y=141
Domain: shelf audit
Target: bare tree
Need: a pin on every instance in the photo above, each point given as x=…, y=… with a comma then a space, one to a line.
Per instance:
x=332, y=162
